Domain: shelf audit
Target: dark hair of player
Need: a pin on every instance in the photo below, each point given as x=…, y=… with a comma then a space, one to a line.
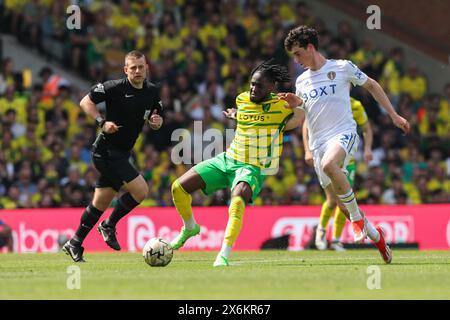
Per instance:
x=273, y=71
x=301, y=36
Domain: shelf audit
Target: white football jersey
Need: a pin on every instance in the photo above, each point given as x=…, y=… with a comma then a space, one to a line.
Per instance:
x=326, y=99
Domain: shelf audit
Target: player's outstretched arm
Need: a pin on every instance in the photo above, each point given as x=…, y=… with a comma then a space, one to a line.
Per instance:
x=380, y=96
x=308, y=153
x=297, y=120
x=292, y=99
x=368, y=141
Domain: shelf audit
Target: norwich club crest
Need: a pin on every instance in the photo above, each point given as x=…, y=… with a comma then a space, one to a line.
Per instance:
x=331, y=75
x=266, y=107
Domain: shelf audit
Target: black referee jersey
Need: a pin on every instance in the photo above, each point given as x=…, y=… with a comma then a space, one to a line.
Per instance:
x=127, y=107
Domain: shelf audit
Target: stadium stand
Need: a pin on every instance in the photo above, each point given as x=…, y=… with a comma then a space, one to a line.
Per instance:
x=201, y=53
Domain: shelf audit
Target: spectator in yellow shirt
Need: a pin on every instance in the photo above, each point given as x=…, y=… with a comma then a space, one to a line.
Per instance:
x=413, y=84
x=8, y=77
x=368, y=58
x=391, y=74
x=13, y=101
x=169, y=40
x=215, y=28
x=124, y=17
x=97, y=46
x=444, y=104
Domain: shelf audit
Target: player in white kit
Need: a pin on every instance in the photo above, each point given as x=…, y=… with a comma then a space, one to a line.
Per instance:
x=323, y=93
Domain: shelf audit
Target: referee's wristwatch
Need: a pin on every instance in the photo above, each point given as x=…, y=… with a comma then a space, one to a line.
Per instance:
x=100, y=122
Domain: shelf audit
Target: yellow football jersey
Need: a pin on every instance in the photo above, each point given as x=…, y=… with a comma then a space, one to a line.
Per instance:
x=359, y=113
x=259, y=134
x=360, y=116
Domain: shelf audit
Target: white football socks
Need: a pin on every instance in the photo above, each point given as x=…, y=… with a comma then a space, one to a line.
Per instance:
x=225, y=251
x=349, y=201
x=190, y=223
x=372, y=233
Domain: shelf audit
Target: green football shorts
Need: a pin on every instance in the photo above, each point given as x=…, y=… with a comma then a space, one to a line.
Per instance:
x=223, y=172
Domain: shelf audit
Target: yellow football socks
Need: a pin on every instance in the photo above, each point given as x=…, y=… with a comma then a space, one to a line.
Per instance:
x=339, y=223
x=236, y=213
x=182, y=201
x=325, y=215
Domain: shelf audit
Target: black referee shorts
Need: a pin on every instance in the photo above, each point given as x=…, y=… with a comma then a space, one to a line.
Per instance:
x=114, y=168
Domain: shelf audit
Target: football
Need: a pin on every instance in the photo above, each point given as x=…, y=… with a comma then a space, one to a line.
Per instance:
x=157, y=252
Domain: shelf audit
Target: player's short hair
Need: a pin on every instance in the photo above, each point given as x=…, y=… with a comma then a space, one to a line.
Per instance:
x=301, y=36
x=273, y=71
x=135, y=54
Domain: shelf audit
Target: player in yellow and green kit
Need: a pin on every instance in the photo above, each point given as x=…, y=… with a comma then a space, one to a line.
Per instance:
x=360, y=116
x=261, y=117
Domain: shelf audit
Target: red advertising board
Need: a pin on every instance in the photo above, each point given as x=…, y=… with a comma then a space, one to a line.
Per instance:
x=37, y=230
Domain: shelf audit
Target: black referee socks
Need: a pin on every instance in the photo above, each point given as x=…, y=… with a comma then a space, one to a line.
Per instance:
x=125, y=204
x=88, y=220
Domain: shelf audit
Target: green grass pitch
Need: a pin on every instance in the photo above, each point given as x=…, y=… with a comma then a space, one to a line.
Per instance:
x=251, y=275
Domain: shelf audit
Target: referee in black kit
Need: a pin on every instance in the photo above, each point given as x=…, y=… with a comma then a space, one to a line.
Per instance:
x=130, y=102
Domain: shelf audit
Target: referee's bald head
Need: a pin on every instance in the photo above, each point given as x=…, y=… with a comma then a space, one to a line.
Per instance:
x=134, y=54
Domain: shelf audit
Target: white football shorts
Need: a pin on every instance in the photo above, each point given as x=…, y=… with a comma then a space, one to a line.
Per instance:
x=348, y=141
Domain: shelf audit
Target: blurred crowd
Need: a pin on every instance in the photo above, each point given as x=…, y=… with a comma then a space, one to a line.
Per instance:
x=201, y=54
